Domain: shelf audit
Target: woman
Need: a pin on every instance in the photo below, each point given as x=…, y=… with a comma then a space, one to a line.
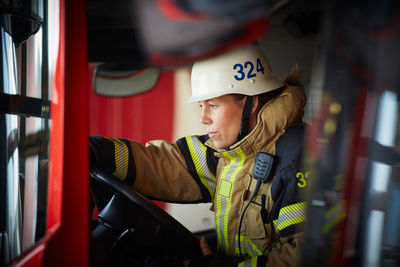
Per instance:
x=247, y=112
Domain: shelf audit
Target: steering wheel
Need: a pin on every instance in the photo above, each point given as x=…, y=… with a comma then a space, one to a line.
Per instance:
x=133, y=222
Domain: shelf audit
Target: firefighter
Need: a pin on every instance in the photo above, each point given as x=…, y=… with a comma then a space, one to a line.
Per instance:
x=247, y=112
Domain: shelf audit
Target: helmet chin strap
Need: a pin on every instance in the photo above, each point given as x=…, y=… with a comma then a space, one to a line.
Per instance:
x=244, y=126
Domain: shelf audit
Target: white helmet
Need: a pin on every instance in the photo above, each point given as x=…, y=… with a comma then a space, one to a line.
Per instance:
x=243, y=71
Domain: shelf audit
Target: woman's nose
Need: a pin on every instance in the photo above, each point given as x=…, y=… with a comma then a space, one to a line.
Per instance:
x=204, y=118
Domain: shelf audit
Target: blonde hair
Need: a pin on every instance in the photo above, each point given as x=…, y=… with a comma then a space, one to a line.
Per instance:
x=294, y=77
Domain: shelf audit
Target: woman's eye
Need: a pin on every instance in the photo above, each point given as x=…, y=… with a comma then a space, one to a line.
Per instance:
x=213, y=106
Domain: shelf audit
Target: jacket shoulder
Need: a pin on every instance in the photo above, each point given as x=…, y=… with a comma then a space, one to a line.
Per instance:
x=289, y=147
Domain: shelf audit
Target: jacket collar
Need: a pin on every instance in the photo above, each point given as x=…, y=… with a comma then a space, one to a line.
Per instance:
x=272, y=121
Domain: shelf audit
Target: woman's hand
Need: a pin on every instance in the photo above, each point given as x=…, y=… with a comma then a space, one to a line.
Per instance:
x=205, y=248
x=210, y=259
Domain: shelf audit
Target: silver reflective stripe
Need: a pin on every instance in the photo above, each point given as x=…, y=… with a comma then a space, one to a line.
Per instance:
x=228, y=175
x=290, y=215
x=198, y=154
x=249, y=263
x=201, y=154
x=247, y=246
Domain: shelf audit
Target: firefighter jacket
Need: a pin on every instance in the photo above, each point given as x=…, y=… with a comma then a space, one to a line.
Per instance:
x=192, y=170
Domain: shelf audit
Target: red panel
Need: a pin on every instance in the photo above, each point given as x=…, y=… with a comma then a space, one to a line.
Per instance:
x=54, y=199
x=70, y=244
x=142, y=118
x=75, y=215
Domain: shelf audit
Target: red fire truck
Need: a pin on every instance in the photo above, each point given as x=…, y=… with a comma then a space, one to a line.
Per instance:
x=71, y=69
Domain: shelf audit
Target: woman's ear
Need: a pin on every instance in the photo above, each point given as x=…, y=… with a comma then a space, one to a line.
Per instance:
x=254, y=112
x=255, y=107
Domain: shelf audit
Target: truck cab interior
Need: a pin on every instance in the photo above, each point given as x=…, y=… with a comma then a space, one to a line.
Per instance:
x=71, y=69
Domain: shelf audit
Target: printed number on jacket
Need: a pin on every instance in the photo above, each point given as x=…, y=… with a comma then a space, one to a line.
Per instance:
x=302, y=179
x=247, y=68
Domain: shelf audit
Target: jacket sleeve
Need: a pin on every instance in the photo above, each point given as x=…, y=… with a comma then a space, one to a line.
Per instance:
x=159, y=169
x=288, y=215
x=289, y=209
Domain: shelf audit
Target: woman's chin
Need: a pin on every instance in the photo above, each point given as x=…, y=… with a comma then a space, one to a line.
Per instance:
x=220, y=145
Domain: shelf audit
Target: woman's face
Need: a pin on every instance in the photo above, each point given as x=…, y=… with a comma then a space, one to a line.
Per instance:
x=222, y=116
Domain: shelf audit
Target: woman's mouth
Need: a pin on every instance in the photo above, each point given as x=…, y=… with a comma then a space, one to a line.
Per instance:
x=212, y=134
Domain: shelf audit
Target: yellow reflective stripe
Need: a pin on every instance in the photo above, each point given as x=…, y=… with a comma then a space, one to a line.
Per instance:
x=290, y=222
x=294, y=207
x=198, y=154
x=223, y=203
x=249, y=263
x=291, y=215
x=219, y=213
x=121, y=158
x=334, y=215
x=246, y=246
